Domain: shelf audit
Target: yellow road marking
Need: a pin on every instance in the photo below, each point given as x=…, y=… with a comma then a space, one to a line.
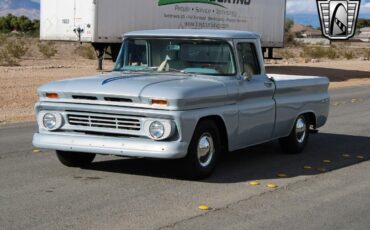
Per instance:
x=254, y=183
x=204, y=207
x=271, y=185
x=282, y=175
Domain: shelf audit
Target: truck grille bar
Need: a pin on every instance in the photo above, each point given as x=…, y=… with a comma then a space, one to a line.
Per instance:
x=105, y=121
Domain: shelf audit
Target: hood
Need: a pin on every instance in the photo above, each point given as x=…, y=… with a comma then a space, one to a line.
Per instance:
x=181, y=91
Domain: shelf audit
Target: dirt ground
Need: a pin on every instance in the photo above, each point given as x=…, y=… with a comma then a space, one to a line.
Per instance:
x=342, y=73
x=18, y=85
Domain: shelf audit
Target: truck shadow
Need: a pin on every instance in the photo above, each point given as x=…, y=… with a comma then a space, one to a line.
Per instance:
x=335, y=75
x=260, y=162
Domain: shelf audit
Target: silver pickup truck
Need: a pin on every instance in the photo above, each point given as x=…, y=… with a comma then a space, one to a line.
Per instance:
x=180, y=94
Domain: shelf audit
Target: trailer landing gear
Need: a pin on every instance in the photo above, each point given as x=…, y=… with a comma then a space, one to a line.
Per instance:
x=104, y=48
x=270, y=53
x=100, y=53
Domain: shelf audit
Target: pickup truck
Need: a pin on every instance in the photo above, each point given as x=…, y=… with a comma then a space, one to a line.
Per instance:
x=180, y=94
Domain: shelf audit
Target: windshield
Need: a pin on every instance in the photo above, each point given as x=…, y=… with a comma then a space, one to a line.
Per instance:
x=176, y=55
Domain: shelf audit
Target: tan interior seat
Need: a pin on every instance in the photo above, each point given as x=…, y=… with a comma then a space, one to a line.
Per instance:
x=248, y=69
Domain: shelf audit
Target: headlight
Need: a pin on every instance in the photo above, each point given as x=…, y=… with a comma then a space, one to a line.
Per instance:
x=50, y=120
x=156, y=130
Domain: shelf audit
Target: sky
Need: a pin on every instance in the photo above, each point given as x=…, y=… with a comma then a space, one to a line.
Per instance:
x=309, y=7
x=305, y=11
x=29, y=8
x=302, y=11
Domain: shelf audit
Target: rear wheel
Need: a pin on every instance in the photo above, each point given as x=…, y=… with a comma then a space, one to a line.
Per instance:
x=75, y=159
x=298, y=137
x=203, y=152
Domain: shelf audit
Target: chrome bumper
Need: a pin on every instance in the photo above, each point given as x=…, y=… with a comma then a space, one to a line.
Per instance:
x=131, y=147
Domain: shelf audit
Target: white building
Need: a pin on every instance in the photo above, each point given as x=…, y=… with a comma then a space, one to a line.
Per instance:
x=364, y=34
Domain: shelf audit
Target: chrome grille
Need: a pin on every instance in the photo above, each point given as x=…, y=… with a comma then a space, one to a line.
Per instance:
x=105, y=121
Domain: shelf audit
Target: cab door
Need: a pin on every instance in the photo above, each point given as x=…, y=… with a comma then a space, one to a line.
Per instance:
x=255, y=97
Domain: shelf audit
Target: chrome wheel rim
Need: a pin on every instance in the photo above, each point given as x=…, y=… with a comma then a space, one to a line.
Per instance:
x=205, y=150
x=300, y=130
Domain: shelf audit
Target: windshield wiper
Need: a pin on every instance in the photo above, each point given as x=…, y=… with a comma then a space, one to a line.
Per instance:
x=174, y=70
x=135, y=70
x=154, y=70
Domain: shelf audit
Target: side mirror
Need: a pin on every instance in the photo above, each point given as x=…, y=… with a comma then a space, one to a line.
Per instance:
x=247, y=76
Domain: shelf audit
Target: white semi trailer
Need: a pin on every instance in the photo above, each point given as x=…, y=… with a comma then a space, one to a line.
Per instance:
x=103, y=22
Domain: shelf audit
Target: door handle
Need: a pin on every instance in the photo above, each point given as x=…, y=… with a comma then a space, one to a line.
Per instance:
x=268, y=84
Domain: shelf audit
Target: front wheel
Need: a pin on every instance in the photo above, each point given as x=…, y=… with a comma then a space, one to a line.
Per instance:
x=203, y=151
x=298, y=137
x=75, y=159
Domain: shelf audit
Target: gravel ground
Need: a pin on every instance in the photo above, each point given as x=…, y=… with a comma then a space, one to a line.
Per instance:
x=19, y=84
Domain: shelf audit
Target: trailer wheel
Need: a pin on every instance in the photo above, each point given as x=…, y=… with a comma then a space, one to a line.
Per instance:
x=203, y=151
x=298, y=137
x=75, y=159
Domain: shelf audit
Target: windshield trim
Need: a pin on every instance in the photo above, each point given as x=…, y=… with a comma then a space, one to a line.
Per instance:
x=229, y=42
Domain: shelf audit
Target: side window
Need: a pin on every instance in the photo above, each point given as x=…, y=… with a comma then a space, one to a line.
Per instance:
x=248, y=58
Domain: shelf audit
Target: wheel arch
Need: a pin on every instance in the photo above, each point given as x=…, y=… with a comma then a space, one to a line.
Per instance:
x=292, y=143
x=311, y=117
x=220, y=123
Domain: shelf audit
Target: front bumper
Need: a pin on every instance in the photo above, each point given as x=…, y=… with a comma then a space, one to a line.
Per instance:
x=131, y=147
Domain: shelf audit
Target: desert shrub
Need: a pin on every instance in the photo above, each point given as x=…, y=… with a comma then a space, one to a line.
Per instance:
x=367, y=54
x=47, y=49
x=348, y=55
x=87, y=52
x=290, y=40
x=319, y=52
x=312, y=52
x=286, y=54
x=11, y=51
x=16, y=48
x=2, y=39
x=6, y=59
x=331, y=53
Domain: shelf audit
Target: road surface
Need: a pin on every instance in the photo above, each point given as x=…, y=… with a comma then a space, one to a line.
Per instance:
x=37, y=192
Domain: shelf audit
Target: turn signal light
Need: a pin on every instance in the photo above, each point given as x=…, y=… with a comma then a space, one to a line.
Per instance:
x=161, y=102
x=52, y=95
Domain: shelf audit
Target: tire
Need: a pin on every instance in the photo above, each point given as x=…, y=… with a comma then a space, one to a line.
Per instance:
x=298, y=137
x=75, y=159
x=201, y=159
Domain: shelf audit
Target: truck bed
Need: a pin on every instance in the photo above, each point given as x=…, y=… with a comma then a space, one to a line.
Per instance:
x=299, y=93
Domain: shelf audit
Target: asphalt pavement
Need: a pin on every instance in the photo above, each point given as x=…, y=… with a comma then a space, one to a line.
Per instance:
x=37, y=192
